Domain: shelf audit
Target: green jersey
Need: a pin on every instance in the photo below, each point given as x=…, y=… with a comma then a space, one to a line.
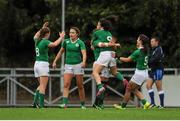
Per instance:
x=140, y=58
x=73, y=51
x=96, y=52
x=41, y=49
x=102, y=36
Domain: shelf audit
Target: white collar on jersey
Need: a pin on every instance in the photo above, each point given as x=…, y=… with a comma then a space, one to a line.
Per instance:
x=74, y=41
x=140, y=47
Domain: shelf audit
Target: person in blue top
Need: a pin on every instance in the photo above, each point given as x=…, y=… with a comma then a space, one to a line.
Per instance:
x=156, y=59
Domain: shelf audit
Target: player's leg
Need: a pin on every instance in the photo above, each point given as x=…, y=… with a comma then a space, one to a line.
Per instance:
x=36, y=96
x=68, y=75
x=99, y=101
x=67, y=83
x=42, y=89
x=79, y=82
x=105, y=74
x=149, y=85
x=102, y=61
x=79, y=72
x=159, y=74
x=160, y=92
x=158, y=82
x=139, y=94
x=130, y=87
x=115, y=73
x=96, y=74
x=136, y=81
x=43, y=74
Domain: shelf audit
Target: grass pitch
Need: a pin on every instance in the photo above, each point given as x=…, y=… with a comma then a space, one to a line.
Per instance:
x=88, y=114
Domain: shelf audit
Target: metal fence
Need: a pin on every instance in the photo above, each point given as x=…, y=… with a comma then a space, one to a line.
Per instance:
x=11, y=80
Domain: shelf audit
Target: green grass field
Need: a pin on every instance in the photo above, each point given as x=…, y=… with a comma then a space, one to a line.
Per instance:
x=88, y=114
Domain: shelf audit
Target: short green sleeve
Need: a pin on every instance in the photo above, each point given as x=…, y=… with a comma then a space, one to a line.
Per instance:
x=63, y=44
x=135, y=55
x=82, y=45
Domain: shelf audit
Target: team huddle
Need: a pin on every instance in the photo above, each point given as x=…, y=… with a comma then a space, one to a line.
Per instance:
x=104, y=45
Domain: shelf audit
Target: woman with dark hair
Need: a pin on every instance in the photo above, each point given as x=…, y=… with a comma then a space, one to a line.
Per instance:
x=140, y=56
x=75, y=61
x=102, y=40
x=41, y=66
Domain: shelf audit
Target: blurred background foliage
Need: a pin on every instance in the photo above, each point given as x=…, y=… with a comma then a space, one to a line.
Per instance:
x=21, y=19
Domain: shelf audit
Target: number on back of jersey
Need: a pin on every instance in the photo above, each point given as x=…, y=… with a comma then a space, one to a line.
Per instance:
x=37, y=52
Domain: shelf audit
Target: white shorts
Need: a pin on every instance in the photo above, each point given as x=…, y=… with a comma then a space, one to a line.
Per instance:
x=74, y=69
x=105, y=72
x=41, y=68
x=105, y=58
x=140, y=76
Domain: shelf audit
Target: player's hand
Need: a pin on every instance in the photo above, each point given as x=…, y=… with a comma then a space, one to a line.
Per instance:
x=62, y=34
x=46, y=24
x=111, y=44
x=54, y=65
x=118, y=45
x=83, y=65
x=92, y=47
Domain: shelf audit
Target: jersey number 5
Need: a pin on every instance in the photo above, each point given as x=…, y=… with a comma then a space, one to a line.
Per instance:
x=146, y=61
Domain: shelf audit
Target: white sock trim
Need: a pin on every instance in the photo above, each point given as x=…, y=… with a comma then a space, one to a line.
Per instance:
x=151, y=90
x=161, y=92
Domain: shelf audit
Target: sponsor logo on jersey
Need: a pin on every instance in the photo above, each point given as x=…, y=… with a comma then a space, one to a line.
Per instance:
x=109, y=38
x=67, y=42
x=77, y=45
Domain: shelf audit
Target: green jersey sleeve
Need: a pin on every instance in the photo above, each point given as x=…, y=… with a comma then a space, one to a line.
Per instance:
x=95, y=40
x=63, y=45
x=82, y=45
x=94, y=36
x=47, y=42
x=135, y=55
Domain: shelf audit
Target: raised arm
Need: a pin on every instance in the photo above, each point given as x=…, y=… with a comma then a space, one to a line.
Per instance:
x=36, y=36
x=103, y=44
x=58, y=56
x=123, y=59
x=58, y=41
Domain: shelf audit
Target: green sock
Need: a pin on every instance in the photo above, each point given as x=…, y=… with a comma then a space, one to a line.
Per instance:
x=36, y=96
x=119, y=76
x=99, y=86
x=65, y=100
x=101, y=102
x=41, y=100
x=123, y=105
x=143, y=101
x=82, y=103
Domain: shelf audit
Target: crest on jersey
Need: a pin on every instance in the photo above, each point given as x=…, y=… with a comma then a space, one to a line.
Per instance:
x=67, y=42
x=109, y=38
x=77, y=45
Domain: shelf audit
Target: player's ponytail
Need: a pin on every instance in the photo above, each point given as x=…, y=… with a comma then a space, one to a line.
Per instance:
x=145, y=42
x=43, y=32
